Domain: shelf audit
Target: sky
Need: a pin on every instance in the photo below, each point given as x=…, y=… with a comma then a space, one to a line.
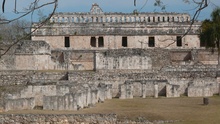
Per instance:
x=125, y=6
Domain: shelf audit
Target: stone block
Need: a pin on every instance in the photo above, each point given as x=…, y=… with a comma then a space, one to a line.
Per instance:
x=19, y=104
x=172, y=90
x=199, y=91
x=126, y=90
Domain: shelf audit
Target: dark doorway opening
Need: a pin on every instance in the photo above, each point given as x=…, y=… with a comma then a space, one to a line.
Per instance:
x=101, y=42
x=124, y=41
x=67, y=42
x=151, y=42
x=179, y=41
x=93, y=41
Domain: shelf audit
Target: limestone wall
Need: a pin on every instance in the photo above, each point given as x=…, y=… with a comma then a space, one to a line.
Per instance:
x=203, y=87
x=142, y=59
x=58, y=118
x=27, y=57
x=59, y=96
x=33, y=62
x=136, y=27
x=115, y=42
x=172, y=90
x=36, y=92
x=199, y=91
x=19, y=104
x=123, y=62
x=208, y=57
x=73, y=60
x=14, y=77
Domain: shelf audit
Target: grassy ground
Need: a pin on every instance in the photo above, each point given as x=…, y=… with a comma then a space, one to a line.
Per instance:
x=186, y=110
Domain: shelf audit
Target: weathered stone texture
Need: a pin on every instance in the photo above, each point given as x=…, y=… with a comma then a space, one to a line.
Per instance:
x=14, y=77
x=151, y=72
x=203, y=87
x=19, y=104
x=81, y=28
x=30, y=47
x=58, y=119
x=172, y=90
x=59, y=96
x=154, y=59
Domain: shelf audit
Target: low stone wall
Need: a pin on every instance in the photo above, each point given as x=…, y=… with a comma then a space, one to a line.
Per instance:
x=74, y=119
x=203, y=87
x=142, y=88
x=58, y=119
x=14, y=77
x=70, y=101
x=19, y=104
x=66, y=96
x=199, y=91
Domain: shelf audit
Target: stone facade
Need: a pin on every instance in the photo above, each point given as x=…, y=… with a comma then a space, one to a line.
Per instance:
x=99, y=30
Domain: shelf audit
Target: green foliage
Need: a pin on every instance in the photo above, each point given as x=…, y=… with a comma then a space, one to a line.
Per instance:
x=210, y=30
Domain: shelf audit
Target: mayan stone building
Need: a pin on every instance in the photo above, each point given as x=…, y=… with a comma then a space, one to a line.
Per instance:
x=99, y=30
x=79, y=59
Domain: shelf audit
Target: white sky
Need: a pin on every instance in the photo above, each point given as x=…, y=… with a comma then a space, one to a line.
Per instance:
x=126, y=6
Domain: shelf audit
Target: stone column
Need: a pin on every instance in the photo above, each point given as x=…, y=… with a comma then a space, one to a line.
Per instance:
x=55, y=19
x=155, y=90
x=94, y=96
x=94, y=19
x=122, y=19
x=219, y=89
x=97, y=41
x=88, y=96
x=122, y=91
x=125, y=19
x=71, y=19
x=129, y=89
x=76, y=19
x=66, y=19
x=109, y=91
x=143, y=89
x=79, y=101
x=168, y=90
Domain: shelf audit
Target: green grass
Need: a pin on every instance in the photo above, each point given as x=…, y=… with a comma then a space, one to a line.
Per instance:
x=185, y=110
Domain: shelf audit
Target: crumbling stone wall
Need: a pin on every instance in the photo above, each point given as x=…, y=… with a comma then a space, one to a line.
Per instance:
x=203, y=87
x=59, y=96
x=19, y=104
x=141, y=59
x=192, y=79
x=73, y=59
x=39, y=57
x=14, y=77
x=58, y=118
x=142, y=88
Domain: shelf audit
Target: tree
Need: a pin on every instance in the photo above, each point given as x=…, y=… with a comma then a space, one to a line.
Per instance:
x=13, y=31
x=27, y=9
x=210, y=30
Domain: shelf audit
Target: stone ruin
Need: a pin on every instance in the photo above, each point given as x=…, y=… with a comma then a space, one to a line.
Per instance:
x=61, y=96
x=41, y=78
